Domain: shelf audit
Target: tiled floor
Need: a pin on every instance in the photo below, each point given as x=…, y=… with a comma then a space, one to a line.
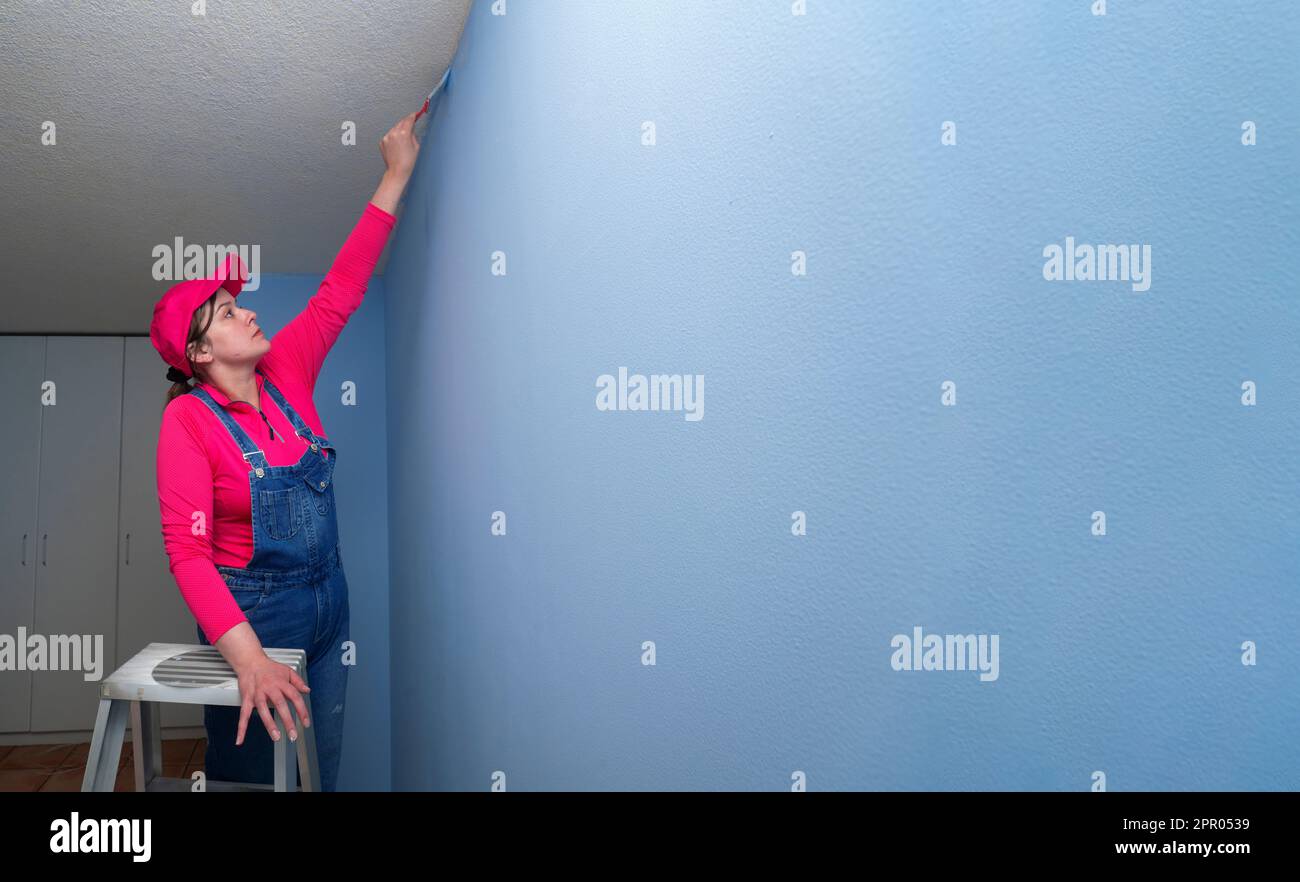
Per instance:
x=32, y=767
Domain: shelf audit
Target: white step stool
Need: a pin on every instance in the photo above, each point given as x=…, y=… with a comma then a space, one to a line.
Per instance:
x=184, y=673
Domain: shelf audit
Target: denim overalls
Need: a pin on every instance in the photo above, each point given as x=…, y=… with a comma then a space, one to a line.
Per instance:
x=293, y=593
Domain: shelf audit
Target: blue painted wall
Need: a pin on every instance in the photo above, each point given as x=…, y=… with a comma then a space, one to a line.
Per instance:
x=362, y=494
x=775, y=133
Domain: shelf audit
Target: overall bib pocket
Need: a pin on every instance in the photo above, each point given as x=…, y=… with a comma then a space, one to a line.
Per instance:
x=279, y=512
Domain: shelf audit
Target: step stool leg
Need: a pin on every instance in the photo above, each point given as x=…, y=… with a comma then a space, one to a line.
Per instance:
x=146, y=733
x=286, y=773
x=307, y=756
x=106, y=745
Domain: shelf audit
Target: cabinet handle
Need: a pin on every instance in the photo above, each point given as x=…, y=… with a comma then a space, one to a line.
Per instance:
x=128, y=549
x=24, y=549
x=45, y=546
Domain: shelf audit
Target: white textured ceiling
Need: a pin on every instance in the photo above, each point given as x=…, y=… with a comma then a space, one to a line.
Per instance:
x=221, y=129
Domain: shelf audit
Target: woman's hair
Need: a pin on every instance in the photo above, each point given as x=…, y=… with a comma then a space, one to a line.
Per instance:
x=197, y=336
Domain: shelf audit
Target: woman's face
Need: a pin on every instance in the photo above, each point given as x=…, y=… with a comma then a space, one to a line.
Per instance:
x=234, y=336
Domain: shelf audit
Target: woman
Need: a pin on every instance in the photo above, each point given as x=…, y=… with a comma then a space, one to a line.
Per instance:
x=245, y=489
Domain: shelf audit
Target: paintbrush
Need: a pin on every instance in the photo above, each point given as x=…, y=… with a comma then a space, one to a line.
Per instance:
x=427, y=101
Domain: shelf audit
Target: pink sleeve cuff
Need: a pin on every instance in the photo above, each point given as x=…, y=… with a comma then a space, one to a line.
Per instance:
x=379, y=214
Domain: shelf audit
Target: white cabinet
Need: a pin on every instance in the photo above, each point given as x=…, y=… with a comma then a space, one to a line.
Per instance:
x=22, y=367
x=81, y=545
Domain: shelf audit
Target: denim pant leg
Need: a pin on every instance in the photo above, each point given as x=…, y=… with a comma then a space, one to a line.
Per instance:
x=284, y=617
x=327, y=675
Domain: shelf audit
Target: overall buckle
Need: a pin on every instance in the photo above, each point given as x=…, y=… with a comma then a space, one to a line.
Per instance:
x=315, y=447
x=257, y=470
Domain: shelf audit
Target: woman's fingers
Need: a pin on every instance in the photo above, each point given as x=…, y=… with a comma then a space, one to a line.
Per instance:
x=301, y=707
x=278, y=693
x=283, y=709
x=245, y=709
x=404, y=125
x=298, y=703
x=271, y=728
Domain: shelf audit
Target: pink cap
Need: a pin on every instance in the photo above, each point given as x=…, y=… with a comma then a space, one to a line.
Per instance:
x=172, y=314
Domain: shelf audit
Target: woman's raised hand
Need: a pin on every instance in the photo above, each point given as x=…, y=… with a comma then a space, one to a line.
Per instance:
x=399, y=147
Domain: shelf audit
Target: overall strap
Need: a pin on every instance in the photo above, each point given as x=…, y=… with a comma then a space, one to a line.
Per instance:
x=299, y=425
x=252, y=453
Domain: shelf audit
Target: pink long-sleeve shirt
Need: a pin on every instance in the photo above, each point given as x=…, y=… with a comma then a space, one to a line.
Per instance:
x=203, y=493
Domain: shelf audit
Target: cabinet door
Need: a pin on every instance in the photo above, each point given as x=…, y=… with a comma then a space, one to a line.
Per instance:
x=76, y=572
x=150, y=608
x=22, y=367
